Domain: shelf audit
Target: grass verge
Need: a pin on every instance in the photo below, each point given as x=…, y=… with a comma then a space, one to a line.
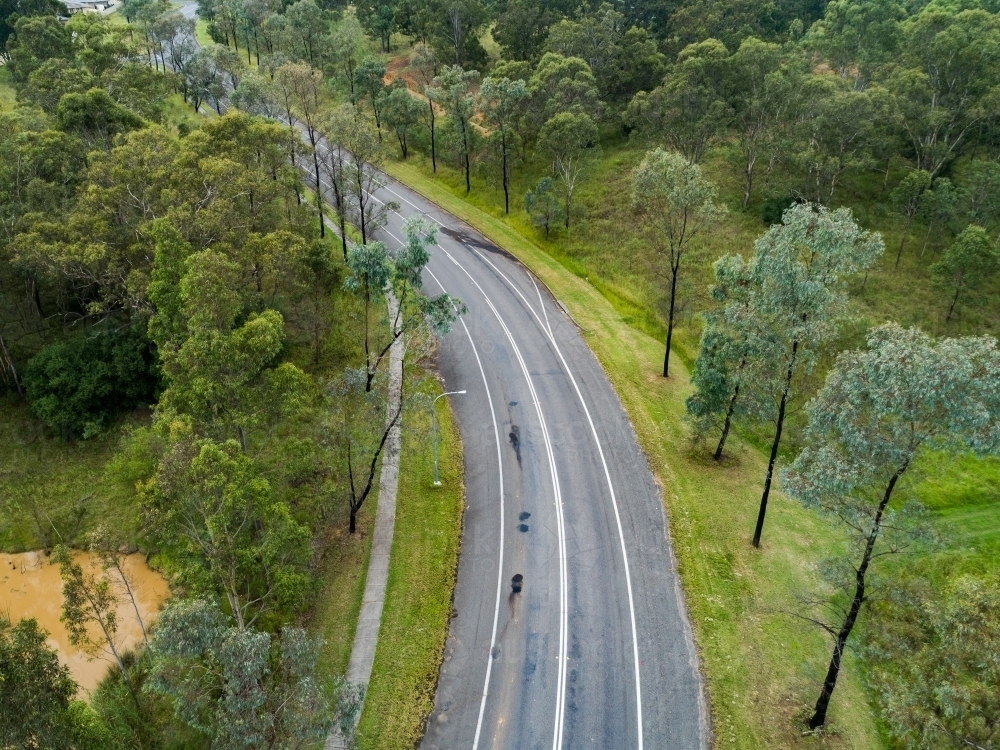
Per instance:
x=763, y=667
x=418, y=599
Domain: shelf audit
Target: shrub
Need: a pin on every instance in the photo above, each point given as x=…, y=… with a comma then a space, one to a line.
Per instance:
x=76, y=387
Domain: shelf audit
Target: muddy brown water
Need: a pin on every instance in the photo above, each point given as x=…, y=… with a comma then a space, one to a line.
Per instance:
x=30, y=587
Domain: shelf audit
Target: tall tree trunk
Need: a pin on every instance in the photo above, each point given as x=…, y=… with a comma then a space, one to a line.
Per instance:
x=434, y=164
x=319, y=188
x=951, y=307
x=9, y=363
x=748, y=185
x=465, y=150
x=902, y=240
x=774, y=447
x=833, y=672
x=506, y=179
x=674, y=273
x=728, y=423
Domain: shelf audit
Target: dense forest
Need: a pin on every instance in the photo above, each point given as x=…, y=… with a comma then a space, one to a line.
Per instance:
x=800, y=199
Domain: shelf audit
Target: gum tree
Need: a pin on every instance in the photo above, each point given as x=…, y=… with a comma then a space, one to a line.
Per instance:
x=970, y=261
x=375, y=271
x=500, y=102
x=452, y=90
x=733, y=357
x=796, y=292
x=869, y=426
x=675, y=204
x=569, y=140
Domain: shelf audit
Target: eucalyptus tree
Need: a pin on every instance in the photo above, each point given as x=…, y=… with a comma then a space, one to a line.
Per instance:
x=675, y=204
x=229, y=537
x=37, y=690
x=222, y=366
x=857, y=38
x=307, y=94
x=759, y=90
x=569, y=140
x=979, y=192
x=935, y=663
x=402, y=112
x=424, y=68
x=945, y=82
x=906, y=199
x=561, y=84
x=240, y=687
x=452, y=90
x=500, y=101
x=369, y=84
x=90, y=603
x=835, y=130
x=349, y=46
x=968, y=264
x=362, y=170
x=870, y=427
x=796, y=292
x=939, y=206
x=335, y=162
x=306, y=24
x=688, y=110
x=543, y=205
x=375, y=271
x=733, y=357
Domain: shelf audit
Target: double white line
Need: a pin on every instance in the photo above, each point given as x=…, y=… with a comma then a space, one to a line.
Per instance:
x=557, y=740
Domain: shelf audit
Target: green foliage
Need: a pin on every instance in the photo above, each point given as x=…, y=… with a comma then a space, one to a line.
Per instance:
x=623, y=58
x=77, y=387
x=242, y=688
x=402, y=113
x=36, y=692
x=936, y=668
x=209, y=504
x=675, y=205
x=543, y=205
x=869, y=424
x=968, y=263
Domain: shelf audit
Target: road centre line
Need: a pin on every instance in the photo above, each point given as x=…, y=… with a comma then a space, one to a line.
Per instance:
x=560, y=522
x=611, y=489
x=496, y=608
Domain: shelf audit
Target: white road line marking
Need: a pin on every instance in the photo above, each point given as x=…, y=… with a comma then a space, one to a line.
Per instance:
x=541, y=305
x=611, y=489
x=560, y=523
x=496, y=609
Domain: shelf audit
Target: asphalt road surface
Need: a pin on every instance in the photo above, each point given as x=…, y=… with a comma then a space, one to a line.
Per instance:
x=569, y=628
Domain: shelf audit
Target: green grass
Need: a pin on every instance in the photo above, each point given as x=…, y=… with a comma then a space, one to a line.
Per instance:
x=52, y=490
x=335, y=614
x=422, y=573
x=763, y=667
x=201, y=32
x=8, y=100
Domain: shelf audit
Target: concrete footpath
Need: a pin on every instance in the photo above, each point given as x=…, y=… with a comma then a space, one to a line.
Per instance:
x=359, y=669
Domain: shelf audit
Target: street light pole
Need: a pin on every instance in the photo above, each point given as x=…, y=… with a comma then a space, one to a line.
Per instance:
x=437, y=481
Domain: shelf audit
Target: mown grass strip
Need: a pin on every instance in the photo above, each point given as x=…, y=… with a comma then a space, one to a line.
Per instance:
x=422, y=571
x=763, y=666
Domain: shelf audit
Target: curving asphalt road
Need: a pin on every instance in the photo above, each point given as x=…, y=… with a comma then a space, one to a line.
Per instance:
x=569, y=629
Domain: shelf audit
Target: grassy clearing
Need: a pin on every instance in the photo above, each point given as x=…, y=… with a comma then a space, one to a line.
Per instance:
x=421, y=580
x=8, y=99
x=52, y=490
x=763, y=667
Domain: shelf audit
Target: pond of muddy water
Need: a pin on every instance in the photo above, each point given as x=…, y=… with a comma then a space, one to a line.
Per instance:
x=30, y=587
